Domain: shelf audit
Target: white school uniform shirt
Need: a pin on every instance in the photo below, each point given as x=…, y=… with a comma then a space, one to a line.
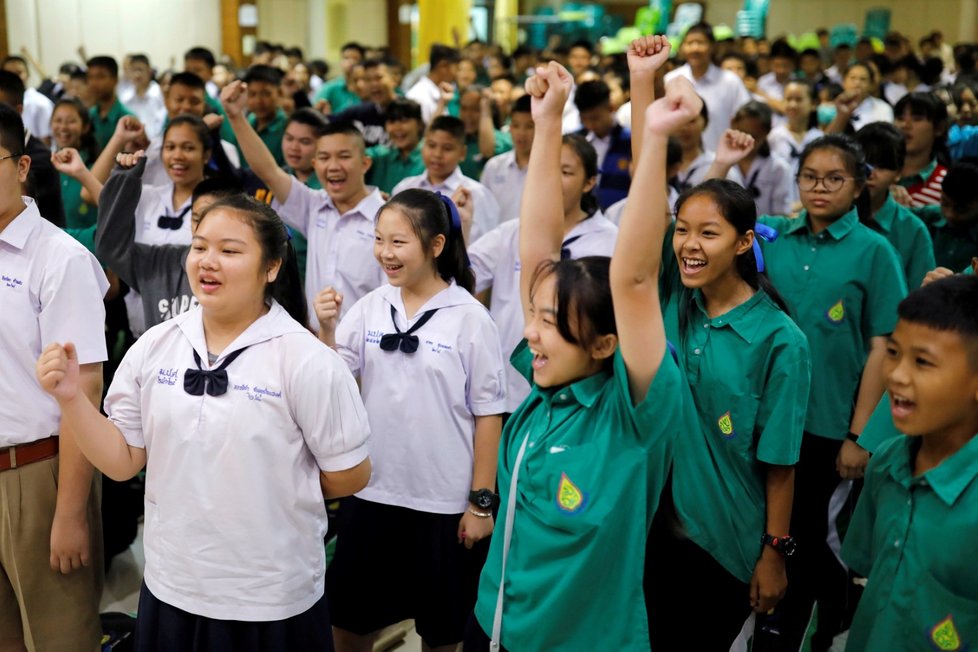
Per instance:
x=155, y=174
x=505, y=179
x=426, y=93
x=783, y=143
x=871, y=109
x=769, y=83
x=624, y=115
x=235, y=517
x=772, y=178
x=723, y=92
x=614, y=212
x=696, y=172
x=148, y=107
x=341, y=246
x=422, y=405
x=37, y=111
x=51, y=290
x=496, y=263
x=486, y=216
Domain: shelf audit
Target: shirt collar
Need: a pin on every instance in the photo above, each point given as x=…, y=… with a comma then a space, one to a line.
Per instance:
x=453, y=295
x=740, y=320
x=838, y=229
x=886, y=215
x=453, y=181
x=367, y=208
x=20, y=228
x=948, y=479
x=272, y=324
x=585, y=391
x=923, y=175
x=594, y=222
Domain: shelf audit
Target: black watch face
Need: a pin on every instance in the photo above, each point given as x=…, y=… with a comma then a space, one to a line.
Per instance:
x=484, y=500
x=788, y=547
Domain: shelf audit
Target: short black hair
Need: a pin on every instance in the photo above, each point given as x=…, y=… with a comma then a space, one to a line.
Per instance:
x=309, y=117
x=12, y=87
x=506, y=76
x=188, y=79
x=947, y=305
x=703, y=28
x=373, y=63
x=960, y=182
x=591, y=95
x=295, y=52
x=780, y=49
x=218, y=187
x=582, y=43
x=450, y=125
x=884, y=145
x=201, y=54
x=345, y=128
x=14, y=57
x=262, y=74
x=11, y=127
x=318, y=67
x=262, y=47
x=401, y=108
x=523, y=104
x=353, y=45
x=139, y=58
x=441, y=52
x=104, y=62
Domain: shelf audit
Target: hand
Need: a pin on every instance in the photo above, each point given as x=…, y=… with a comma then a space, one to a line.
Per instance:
x=128, y=129
x=901, y=195
x=213, y=120
x=668, y=114
x=485, y=102
x=846, y=103
x=852, y=460
x=68, y=161
x=327, y=306
x=769, y=582
x=324, y=107
x=549, y=90
x=647, y=54
x=57, y=371
x=733, y=147
x=446, y=93
x=70, y=543
x=234, y=97
x=126, y=160
x=472, y=529
x=466, y=206
x=937, y=274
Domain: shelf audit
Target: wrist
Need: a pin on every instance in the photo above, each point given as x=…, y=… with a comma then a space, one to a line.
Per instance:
x=477, y=513
x=783, y=545
x=853, y=437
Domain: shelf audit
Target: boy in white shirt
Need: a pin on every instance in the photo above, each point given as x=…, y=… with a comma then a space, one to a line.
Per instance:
x=144, y=96
x=505, y=174
x=443, y=69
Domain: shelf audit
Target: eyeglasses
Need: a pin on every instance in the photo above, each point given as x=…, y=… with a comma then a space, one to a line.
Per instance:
x=831, y=182
x=4, y=158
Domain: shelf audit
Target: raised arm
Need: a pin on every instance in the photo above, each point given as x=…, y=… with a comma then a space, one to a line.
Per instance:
x=234, y=97
x=128, y=134
x=635, y=265
x=26, y=53
x=542, y=221
x=645, y=56
x=116, y=232
x=68, y=161
x=487, y=130
x=733, y=147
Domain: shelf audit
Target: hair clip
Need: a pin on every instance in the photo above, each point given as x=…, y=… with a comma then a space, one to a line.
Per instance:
x=456, y=222
x=767, y=234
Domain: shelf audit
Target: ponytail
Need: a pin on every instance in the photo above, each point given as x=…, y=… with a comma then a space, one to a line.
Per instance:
x=287, y=286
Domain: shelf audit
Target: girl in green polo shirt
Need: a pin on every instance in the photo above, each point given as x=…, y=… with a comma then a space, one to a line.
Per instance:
x=71, y=126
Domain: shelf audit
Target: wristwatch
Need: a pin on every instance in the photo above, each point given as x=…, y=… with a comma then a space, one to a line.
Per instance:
x=484, y=499
x=785, y=545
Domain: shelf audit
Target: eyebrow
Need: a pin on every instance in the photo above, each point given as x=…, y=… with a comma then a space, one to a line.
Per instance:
x=815, y=172
x=200, y=237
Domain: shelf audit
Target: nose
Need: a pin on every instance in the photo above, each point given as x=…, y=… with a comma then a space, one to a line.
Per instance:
x=530, y=331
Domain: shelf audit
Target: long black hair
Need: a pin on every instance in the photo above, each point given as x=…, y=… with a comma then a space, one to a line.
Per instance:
x=589, y=161
x=276, y=244
x=930, y=107
x=855, y=161
x=430, y=215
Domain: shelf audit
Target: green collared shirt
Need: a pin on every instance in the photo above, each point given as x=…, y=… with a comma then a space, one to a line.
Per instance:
x=271, y=134
x=914, y=538
x=908, y=235
x=103, y=128
x=842, y=287
x=389, y=167
x=749, y=373
x=588, y=486
x=920, y=177
x=474, y=161
x=337, y=94
x=954, y=245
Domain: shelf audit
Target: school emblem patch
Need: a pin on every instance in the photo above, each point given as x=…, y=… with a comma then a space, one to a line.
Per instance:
x=945, y=635
x=622, y=164
x=570, y=498
x=725, y=423
x=836, y=313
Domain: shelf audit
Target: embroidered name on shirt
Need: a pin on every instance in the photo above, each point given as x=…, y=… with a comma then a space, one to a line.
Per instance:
x=836, y=313
x=437, y=347
x=167, y=376
x=373, y=336
x=256, y=393
x=945, y=635
x=10, y=281
x=570, y=498
x=366, y=235
x=725, y=423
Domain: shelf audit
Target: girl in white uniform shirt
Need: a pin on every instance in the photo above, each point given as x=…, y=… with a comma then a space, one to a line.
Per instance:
x=788, y=139
x=431, y=371
x=696, y=161
x=244, y=421
x=495, y=256
x=764, y=174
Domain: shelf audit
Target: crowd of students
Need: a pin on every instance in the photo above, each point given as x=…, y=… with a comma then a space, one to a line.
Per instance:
x=600, y=351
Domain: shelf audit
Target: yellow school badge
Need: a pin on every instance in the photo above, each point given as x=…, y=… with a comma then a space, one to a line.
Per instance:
x=945, y=635
x=725, y=423
x=837, y=312
x=569, y=496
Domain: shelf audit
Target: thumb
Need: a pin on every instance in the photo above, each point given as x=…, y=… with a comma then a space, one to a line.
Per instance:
x=71, y=352
x=339, y=300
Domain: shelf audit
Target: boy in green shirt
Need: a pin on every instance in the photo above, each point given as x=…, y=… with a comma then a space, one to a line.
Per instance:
x=483, y=139
x=103, y=76
x=954, y=224
x=265, y=115
x=914, y=529
x=341, y=93
x=402, y=157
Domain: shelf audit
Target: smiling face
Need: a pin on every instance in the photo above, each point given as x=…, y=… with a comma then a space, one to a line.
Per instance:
x=404, y=134
x=400, y=251
x=299, y=146
x=706, y=244
x=696, y=49
x=184, y=99
x=377, y=84
x=184, y=155
x=521, y=129
x=67, y=127
x=263, y=99
x=341, y=165
x=441, y=154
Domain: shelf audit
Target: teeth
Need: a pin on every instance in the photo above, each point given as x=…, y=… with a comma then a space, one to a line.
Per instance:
x=693, y=262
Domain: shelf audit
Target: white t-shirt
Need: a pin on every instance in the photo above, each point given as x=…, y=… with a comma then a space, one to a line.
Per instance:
x=148, y=107
x=341, y=246
x=723, y=92
x=783, y=143
x=422, y=405
x=871, y=109
x=486, y=216
x=504, y=179
x=51, y=290
x=496, y=263
x=426, y=93
x=771, y=181
x=235, y=517
x=37, y=113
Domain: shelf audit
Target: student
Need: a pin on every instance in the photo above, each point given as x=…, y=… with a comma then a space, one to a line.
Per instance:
x=200, y=61
x=341, y=92
x=483, y=138
x=962, y=137
x=771, y=86
x=721, y=90
x=434, y=409
x=37, y=107
x=443, y=67
x=765, y=175
x=841, y=281
x=923, y=120
x=442, y=151
x=71, y=127
x=302, y=130
x=579, y=57
x=505, y=174
x=144, y=97
x=503, y=96
x=696, y=161
x=953, y=225
x=578, y=492
x=788, y=139
x=52, y=291
x=856, y=106
x=611, y=141
x=103, y=75
x=264, y=113
x=239, y=506
x=401, y=157
x=885, y=151
x=370, y=116
x=919, y=488
x=337, y=221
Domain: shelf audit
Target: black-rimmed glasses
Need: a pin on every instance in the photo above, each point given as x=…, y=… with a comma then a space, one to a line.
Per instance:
x=831, y=182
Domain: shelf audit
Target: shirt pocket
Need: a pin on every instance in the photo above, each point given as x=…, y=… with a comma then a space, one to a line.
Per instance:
x=840, y=315
x=567, y=490
x=730, y=419
x=939, y=619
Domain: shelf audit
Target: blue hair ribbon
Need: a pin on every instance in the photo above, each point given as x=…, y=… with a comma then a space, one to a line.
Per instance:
x=767, y=234
x=456, y=223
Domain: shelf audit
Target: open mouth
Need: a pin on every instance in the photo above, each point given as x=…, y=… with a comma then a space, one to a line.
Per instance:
x=901, y=407
x=391, y=269
x=209, y=284
x=539, y=360
x=693, y=265
x=335, y=183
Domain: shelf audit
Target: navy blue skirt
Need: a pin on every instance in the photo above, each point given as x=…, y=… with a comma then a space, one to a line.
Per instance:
x=164, y=628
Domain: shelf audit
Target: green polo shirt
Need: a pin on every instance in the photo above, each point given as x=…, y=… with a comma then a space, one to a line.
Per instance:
x=589, y=484
x=842, y=287
x=880, y=428
x=749, y=373
x=103, y=128
x=272, y=134
x=337, y=94
x=389, y=167
x=954, y=244
x=920, y=177
x=908, y=235
x=914, y=538
x=474, y=161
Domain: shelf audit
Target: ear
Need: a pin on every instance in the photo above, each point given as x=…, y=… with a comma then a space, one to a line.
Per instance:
x=589, y=184
x=272, y=273
x=367, y=161
x=745, y=242
x=604, y=347
x=437, y=245
x=23, y=167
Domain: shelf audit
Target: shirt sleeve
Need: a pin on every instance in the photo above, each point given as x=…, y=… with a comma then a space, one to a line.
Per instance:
x=71, y=304
x=782, y=188
x=857, y=549
x=921, y=255
x=886, y=289
x=486, y=216
x=116, y=231
x=123, y=401
x=880, y=428
x=783, y=407
x=666, y=409
x=350, y=337
x=298, y=210
x=484, y=255
x=482, y=359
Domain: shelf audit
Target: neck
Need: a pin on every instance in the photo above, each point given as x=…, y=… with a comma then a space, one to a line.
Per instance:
x=573, y=218
x=522, y=159
x=182, y=192
x=142, y=88
x=262, y=122
x=105, y=105
x=417, y=294
x=746, y=162
x=818, y=225
x=937, y=447
x=438, y=180
x=799, y=125
x=877, y=202
x=222, y=329
x=726, y=293
x=16, y=208
x=690, y=154
x=699, y=69
x=302, y=175
x=348, y=204
x=406, y=151
x=915, y=162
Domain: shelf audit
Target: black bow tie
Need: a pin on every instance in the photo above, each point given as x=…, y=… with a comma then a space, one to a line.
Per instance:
x=565, y=251
x=406, y=342
x=215, y=381
x=172, y=223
